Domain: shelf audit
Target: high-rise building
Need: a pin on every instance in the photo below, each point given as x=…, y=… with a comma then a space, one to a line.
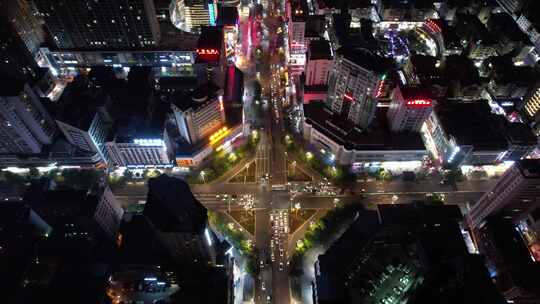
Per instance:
x=179, y=220
x=296, y=13
x=409, y=108
x=24, y=20
x=16, y=61
x=512, y=263
x=83, y=117
x=362, y=266
x=190, y=15
x=25, y=125
x=104, y=24
x=200, y=114
x=353, y=82
x=516, y=195
x=319, y=63
x=77, y=214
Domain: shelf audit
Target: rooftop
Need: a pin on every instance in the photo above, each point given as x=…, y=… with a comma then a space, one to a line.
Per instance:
x=366, y=59
x=299, y=10
x=460, y=68
x=315, y=26
x=228, y=16
x=405, y=241
x=211, y=37
x=345, y=133
x=80, y=103
x=196, y=98
x=425, y=67
x=520, y=134
x=71, y=203
x=11, y=87
x=172, y=39
x=509, y=249
x=472, y=123
x=139, y=244
x=530, y=168
x=337, y=4
x=414, y=92
x=319, y=49
x=503, y=24
x=171, y=206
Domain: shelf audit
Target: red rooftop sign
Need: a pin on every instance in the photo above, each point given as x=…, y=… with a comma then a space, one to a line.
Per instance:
x=419, y=103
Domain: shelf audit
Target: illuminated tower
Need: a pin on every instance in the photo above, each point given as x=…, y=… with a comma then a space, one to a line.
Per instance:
x=409, y=108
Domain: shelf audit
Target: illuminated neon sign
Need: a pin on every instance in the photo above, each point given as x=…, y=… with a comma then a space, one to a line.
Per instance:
x=207, y=52
x=348, y=97
x=433, y=26
x=419, y=103
x=149, y=142
x=219, y=135
x=212, y=13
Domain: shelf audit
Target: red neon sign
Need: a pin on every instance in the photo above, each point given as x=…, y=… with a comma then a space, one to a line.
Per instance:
x=380, y=89
x=419, y=103
x=434, y=27
x=347, y=97
x=207, y=52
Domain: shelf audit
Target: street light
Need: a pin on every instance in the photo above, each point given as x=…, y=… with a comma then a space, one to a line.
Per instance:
x=203, y=174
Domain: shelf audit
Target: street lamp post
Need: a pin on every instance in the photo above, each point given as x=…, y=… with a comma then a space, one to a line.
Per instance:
x=203, y=174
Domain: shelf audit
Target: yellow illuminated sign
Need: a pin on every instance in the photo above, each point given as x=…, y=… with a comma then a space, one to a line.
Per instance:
x=219, y=135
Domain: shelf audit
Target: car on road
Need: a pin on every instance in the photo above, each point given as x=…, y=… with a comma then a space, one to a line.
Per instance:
x=263, y=286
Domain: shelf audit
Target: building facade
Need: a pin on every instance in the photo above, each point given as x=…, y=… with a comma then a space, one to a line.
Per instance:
x=108, y=212
x=201, y=116
x=68, y=59
x=90, y=136
x=16, y=61
x=409, y=108
x=26, y=126
x=352, y=85
x=516, y=194
x=190, y=15
x=342, y=143
x=78, y=24
x=128, y=152
x=319, y=63
x=26, y=23
x=530, y=108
